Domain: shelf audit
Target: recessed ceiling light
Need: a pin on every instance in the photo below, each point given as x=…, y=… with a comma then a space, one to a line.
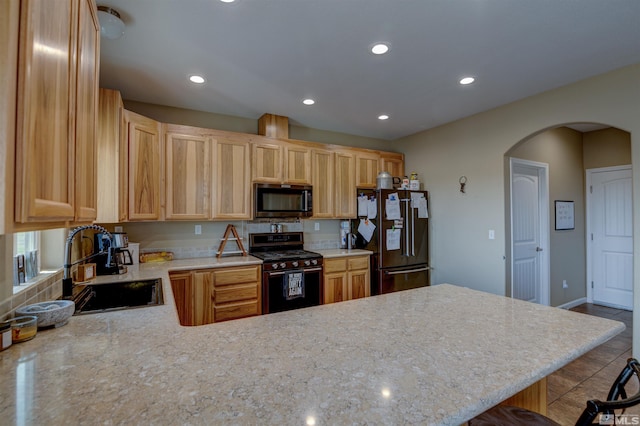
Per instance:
x=308, y=102
x=227, y=1
x=467, y=80
x=383, y=117
x=380, y=48
x=198, y=79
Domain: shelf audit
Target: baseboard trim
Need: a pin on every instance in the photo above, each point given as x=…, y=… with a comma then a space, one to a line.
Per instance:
x=573, y=304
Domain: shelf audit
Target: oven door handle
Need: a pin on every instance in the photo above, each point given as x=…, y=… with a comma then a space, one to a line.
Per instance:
x=276, y=273
x=407, y=271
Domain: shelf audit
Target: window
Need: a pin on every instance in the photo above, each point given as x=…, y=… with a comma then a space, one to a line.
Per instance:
x=26, y=246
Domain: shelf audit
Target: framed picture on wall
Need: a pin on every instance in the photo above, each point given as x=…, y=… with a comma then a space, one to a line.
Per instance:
x=564, y=215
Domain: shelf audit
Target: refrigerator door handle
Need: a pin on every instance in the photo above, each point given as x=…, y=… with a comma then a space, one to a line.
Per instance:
x=413, y=233
x=407, y=271
x=406, y=227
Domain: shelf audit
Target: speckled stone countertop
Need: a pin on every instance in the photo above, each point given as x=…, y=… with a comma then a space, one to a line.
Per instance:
x=433, y=355
x=329, y=253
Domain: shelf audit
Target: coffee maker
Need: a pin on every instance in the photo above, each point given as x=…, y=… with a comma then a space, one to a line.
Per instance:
x=108, y=253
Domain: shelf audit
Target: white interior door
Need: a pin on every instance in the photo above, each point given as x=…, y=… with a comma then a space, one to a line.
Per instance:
x=610, y=209
x=529, y=231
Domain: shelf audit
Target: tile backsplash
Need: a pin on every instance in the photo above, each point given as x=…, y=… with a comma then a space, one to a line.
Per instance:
x=47, y=287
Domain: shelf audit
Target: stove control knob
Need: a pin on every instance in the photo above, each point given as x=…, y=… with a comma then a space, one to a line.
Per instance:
x=283, y=265
x=307, y=263
x=274, y=266
x=315, y=262
x=294, y=264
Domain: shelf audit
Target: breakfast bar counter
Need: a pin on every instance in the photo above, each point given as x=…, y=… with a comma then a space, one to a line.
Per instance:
x=432, y=355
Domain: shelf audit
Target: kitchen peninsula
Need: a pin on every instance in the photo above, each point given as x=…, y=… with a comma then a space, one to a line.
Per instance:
x=433, y=355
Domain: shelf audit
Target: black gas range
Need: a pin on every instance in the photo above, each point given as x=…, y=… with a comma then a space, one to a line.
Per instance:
x=292, y=277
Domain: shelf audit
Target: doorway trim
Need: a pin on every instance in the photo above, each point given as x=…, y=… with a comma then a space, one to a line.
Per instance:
x=588, y=207
x=544, y=227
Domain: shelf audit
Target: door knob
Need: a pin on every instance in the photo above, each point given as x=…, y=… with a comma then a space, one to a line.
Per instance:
x=538, y=248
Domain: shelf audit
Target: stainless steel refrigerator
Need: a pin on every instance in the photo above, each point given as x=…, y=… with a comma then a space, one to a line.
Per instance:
x=400, y=242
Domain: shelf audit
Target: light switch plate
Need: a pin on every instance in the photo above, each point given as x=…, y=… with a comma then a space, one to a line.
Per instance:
x=492, y=234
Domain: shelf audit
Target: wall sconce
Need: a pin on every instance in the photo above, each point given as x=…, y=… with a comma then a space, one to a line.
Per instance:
x=111, y=26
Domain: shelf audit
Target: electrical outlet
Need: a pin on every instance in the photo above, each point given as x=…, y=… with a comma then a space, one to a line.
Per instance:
x=564, y=284
x=198, y=229
x=316, y=226
x=117, y=228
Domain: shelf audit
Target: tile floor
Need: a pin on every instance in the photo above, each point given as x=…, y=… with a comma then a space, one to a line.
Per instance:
x=591, y=375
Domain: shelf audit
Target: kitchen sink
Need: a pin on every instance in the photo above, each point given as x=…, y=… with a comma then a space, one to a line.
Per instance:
x=95, y=298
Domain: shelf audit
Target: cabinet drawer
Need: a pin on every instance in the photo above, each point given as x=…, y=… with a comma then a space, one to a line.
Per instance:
x=361, y=262
x=236, y=310
x=235, y=293
x=236, y=275
x=335, y=265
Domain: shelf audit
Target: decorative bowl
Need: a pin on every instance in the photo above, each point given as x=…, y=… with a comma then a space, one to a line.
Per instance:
x=54, y=313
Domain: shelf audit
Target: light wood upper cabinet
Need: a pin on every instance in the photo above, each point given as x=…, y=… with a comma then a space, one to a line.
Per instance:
x=232, y=179
x=323, y=183
x=266, y=162
x=187, y=173
x=345, y=185
x=366, y=169
x=88, y=60
x=144, y=167
x=297, y=164
x=45, y=141
x=113, y=154
x=392, y=163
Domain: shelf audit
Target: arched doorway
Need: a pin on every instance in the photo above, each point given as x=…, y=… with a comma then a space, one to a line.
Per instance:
x=569, y=150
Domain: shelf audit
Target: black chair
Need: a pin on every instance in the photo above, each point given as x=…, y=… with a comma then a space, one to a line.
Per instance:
x=616, y=400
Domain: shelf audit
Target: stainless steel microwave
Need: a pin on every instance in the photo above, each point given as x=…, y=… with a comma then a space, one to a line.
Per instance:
x=282, y=200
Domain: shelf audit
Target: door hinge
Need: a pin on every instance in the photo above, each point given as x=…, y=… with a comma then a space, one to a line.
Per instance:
x=592, y=236
x=591, y=189
x=591, y=284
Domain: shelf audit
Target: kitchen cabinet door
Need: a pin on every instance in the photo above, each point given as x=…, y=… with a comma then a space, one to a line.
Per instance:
x=359, y=277
x=232, y=179
x=144, y=167
x=345, y=185
x=113, y=154
x=45, y=140
x=392, y=163
x=297, y=165
x=88, y=58
x=335, y=287
x=366, y=169
x=182, y=288
x=323, y=183
x=202, y=298
x=187, y=173
x=266, y=162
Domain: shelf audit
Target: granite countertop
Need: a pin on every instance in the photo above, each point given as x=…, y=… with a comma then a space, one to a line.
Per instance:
x=433, y=355
x=329, y=253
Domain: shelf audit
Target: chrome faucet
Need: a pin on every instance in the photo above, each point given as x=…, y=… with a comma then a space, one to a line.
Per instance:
x=67, y=281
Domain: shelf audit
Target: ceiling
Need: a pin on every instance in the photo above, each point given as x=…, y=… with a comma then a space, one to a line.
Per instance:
x=266, y=56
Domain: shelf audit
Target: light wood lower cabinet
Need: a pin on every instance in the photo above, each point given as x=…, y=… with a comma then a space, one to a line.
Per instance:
x=346, y=278
x=220, y=294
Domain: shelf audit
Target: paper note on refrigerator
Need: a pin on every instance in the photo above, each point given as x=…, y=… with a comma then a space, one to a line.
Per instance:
x=392, y=207
x=372, y=209
x=393, y=239
x=363, y=205
x=366, y=228
x=419, y=202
